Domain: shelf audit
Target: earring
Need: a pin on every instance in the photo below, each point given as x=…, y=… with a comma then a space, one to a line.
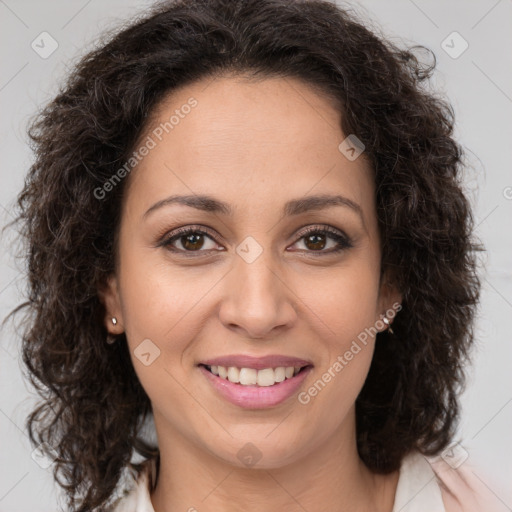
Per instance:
x=110, y=338
x=388, y=323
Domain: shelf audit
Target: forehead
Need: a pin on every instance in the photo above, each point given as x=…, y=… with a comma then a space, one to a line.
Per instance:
x=248, y=140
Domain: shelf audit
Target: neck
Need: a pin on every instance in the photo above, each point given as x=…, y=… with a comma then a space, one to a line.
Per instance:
x=331, y=477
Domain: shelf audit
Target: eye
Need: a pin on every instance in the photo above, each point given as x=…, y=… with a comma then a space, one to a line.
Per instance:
x=191, y=239
x=316, y=239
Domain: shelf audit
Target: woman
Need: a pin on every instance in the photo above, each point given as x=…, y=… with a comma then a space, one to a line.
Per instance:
x=245, y=224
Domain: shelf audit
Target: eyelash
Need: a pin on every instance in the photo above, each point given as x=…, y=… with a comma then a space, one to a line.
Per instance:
x=343, y=242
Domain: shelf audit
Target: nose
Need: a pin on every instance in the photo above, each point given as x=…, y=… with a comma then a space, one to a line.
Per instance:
x=257, y=300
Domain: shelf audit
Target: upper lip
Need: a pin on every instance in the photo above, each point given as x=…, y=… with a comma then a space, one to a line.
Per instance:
x=258, y=363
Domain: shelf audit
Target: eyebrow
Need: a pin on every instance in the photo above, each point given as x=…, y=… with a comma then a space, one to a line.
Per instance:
x=292, y=207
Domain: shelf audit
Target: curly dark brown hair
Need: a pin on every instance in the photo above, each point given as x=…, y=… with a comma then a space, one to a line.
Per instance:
x=93, y=404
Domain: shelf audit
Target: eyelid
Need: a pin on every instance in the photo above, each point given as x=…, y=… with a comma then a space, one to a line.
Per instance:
x=308, y=228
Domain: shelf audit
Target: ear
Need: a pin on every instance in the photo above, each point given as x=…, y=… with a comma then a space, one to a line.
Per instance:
x=390, y=298
x=110, y=298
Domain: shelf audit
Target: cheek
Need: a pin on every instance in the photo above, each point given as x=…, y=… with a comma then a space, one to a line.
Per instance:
x=166, y=305
x=155, y=294
x=338, y=380
x=160, y=308
x=344, y=300
x=344, y=309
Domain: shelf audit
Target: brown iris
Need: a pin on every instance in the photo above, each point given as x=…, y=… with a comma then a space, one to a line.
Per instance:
x=316, y=239
x=193, y=241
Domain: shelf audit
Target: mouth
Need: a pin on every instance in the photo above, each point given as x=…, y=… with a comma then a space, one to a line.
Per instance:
x=265, y=377
x=255, y=388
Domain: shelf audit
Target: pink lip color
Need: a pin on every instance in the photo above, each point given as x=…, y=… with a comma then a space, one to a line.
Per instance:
x=256, y=397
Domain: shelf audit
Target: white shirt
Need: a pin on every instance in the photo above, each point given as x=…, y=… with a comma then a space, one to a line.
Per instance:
x=424, y=485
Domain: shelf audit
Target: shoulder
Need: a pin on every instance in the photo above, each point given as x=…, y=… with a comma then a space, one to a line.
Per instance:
x=447, y=483
x=417, y=489
x=461, y=488
x=133, y=494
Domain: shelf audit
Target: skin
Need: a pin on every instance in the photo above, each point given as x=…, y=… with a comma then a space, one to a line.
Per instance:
x=254, y=145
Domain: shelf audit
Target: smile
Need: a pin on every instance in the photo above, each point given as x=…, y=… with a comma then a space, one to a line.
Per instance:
x=252, y=388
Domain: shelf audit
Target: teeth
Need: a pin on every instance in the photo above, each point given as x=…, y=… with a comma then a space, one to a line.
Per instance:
x=252, y=377
x=279, y=374
x=266, y=377
x=248, y=376
x=233, y=374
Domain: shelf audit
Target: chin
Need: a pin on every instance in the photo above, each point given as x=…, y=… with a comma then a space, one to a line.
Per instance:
x=258, y=451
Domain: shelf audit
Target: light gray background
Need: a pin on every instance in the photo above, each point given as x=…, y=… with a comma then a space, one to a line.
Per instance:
x=479, y=85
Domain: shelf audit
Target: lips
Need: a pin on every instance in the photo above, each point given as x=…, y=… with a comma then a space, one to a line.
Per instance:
x=255, y=382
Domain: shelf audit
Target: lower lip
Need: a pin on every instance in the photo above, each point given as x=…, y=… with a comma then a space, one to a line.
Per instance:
x=256, y=397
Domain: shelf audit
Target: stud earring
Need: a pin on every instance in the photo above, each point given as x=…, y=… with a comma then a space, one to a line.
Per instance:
x=388, y=323
x=110, y=338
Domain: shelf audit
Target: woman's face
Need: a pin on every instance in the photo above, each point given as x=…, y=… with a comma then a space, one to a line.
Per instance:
x=249, y=281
